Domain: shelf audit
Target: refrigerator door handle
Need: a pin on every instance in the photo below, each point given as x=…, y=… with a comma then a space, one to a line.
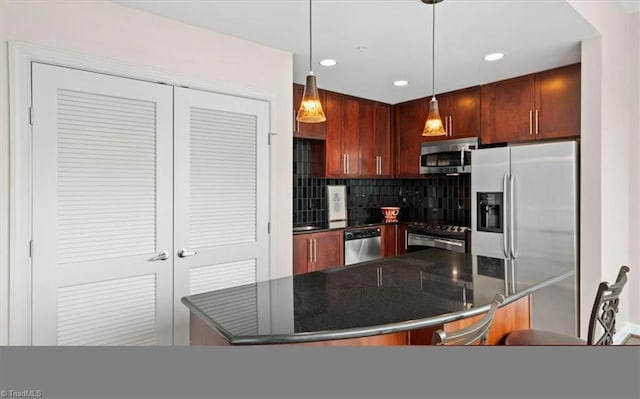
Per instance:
x=512, y=226
x=505, y=238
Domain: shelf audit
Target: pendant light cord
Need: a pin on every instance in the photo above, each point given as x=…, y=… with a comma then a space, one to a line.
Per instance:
x=433, y=53
x=310, y=41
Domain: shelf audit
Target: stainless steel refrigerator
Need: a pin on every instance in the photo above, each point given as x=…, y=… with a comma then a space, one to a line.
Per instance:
x=524, y=207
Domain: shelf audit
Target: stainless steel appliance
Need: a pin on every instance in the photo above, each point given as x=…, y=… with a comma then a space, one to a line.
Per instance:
x=361, y=245
x=424, y=235
x=447, y=156
x=524, y=208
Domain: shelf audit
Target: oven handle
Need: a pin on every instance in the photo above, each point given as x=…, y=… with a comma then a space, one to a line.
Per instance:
x=456, y=243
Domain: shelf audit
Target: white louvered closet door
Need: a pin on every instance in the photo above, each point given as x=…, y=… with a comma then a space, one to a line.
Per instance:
x=221, y=195
x=102, y=203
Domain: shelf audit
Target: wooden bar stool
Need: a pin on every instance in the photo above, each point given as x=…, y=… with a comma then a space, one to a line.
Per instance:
x=604, y=312
x=469, y=335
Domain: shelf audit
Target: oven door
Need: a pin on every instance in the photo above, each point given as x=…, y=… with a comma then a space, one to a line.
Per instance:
x=417, y=242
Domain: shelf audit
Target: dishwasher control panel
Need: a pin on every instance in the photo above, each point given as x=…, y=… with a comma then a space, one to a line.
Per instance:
x=361, y=233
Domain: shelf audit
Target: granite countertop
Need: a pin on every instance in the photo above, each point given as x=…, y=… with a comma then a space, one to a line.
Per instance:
x=410, y=291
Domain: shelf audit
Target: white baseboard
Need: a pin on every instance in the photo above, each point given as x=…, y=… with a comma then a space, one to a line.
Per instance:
x=626, y=330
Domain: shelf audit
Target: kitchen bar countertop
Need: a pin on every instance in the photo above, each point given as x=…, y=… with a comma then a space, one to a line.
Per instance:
x=411, y=291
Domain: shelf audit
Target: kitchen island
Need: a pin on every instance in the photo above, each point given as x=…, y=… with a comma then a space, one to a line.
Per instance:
x=390, y=301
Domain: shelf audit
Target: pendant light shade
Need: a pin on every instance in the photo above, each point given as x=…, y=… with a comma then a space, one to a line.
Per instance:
x=310, y=107
x=433, y=126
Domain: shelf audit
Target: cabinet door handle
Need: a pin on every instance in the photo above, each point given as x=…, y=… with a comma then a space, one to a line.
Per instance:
x=344, y=164
x=347, y=163
x=451, y=124
x=406, y=240
x=310, y=250
x=315, y=251
x=537, y=112
x=530, y=122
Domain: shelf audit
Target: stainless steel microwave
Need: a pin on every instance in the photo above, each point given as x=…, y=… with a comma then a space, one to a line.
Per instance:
x=447, y=156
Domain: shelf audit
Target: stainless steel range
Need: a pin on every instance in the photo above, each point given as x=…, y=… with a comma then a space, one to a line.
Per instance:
x=424, y=235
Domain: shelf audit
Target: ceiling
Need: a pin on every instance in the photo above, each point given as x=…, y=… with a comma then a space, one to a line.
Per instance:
x=376, y=42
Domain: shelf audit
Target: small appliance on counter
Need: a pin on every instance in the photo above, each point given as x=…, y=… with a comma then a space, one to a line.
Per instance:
x=337, y=206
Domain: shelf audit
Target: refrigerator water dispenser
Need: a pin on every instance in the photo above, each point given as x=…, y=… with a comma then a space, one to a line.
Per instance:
x=490, y=212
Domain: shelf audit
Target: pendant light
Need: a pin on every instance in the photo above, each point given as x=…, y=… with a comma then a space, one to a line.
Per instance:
x=310, y=108
x=433, y=126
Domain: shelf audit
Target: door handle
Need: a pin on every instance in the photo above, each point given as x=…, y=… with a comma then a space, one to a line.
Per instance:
x=512, y=226
x=164, y=255
x=505, y=230
x=183, y=253
x=537, y=113
x=530, y=122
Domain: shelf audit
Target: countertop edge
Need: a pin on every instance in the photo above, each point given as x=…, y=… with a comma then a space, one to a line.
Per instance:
x=371, y=330
x=355, y=227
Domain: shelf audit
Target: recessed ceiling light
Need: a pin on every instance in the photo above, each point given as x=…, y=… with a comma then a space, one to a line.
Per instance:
x=493, y=57
x=328, y=62
x=400, y=83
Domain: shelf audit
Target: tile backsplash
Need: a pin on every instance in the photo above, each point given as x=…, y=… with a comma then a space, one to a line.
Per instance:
x=435, y=199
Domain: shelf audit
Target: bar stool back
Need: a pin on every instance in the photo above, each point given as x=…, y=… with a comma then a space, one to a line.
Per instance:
x=603, y=314
x=471, y=334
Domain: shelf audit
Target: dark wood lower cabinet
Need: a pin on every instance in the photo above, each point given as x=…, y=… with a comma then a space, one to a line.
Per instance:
x=514, y=316
x=394, y=239
x=317, y=251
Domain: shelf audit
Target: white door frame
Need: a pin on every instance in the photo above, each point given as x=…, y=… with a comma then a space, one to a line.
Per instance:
x=21, y=55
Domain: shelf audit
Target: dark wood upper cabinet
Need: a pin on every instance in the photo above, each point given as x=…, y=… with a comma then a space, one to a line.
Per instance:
x=351, y=137
x=382, y=128
x=342, y=153
x=507, y=110
x=409, y=118
x=532, y=107
x=358, y=137
x=558, y=102
x=334, y=155
x=464, y=113
x=368, y=142
x=460, y=113
x=307, y=130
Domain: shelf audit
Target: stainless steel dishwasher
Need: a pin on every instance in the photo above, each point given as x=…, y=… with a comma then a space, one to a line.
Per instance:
x=361, y=245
